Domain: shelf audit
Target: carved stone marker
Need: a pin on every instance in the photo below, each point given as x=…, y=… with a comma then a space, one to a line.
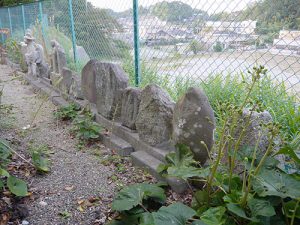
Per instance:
x=58, y=59
x=88, y=81
x=111, y=80
x=131, y=98
x=194, y=123
x=255, y=132
x=154, y=120
x=66, y=82
x=75, y=89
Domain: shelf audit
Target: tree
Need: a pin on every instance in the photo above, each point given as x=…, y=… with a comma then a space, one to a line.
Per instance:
x=218, y=47
x=273, y=16
x=13, y=2
x=175, y=11
x=93, y=28
x=195, y=47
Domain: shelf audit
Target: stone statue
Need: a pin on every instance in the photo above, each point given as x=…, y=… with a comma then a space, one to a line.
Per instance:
x=34, y=57
x=58, y=59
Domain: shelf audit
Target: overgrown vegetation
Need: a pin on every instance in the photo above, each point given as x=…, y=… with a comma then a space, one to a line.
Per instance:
x=14, y=53
x=241, y=184
x=232, y=88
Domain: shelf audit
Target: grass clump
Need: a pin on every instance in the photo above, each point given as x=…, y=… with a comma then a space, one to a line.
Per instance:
x=232, y=88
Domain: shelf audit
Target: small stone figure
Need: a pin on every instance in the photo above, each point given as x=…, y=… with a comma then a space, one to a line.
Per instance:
x=34, y=57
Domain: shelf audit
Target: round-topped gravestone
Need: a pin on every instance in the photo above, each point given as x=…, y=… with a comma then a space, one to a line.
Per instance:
x=194, y=123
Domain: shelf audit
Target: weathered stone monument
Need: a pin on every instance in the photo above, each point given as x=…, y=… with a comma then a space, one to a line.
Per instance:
x=66, y=82
x=256, y=131
x=58, y=57
x=88, y=80
x=75, y=89
x=111, y=80
x=154, y=120
x=194, y=123
x=131, y=98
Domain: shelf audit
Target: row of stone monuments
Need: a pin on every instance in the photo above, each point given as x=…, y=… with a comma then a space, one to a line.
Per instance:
x=150, y=111
x=159, y=121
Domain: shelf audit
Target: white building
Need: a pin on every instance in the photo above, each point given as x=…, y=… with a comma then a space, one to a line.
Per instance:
x=288, y=40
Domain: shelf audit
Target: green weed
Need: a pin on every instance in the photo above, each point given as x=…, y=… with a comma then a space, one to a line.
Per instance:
x=67, y=112
x=85, y=128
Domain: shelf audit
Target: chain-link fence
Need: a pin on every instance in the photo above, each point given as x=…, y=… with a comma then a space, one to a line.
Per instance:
x=173, y=43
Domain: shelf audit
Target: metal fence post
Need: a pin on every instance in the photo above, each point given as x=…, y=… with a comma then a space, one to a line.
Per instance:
x=137, y=67
x=23, y=17
x=41, y=18
x=10, y=24
x=2, y=36
x=73, y=31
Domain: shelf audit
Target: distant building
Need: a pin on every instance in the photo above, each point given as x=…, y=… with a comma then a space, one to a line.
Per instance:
x=246, y=27
x=288, y=40
x=230, y=34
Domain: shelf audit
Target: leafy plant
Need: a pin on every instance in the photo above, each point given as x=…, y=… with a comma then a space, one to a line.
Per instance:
x=16, y=186
x=39, y=156
x=243, y=184
x=14, y=52
x=85, y=128
x=67, y=112
x=181, y=164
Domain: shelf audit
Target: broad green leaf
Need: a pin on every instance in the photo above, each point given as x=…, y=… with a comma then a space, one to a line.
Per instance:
x=290, y=208
x=147, y=219
x=134, y=195
x=200, y=198
x=233, y=197
x=289, y=151
x=261, y=207
x=198, y=222
x=162, y=168
x=237, y=210
x=185, y=172
x=175, y=214
x=5, y=153
x=273, y=182
x=40, y=162
x=214, y=216
x=16, y=186
x=183, y=156
x=4, y=173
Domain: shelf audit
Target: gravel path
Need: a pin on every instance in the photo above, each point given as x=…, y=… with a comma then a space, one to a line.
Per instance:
x=75, y=176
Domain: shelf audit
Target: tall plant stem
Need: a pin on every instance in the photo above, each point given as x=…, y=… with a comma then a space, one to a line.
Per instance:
x=294, y=213
x=216, y=164
x=247, y=186
x=265, y=156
